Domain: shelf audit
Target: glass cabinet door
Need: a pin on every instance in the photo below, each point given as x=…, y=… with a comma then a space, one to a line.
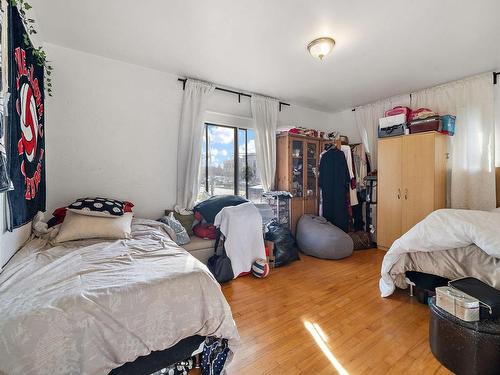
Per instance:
x=312, y=169
x=297, y=188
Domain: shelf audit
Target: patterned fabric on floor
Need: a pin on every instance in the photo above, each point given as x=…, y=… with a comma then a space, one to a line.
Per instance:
x=180, y=368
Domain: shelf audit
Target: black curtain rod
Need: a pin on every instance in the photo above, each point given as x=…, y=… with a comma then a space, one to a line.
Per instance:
x=240, y=94
x=495, y=81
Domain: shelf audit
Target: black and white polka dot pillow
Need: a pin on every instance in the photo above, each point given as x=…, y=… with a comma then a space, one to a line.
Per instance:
x=103, y=207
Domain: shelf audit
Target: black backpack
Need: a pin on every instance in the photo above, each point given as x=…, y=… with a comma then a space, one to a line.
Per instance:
x=219, y=263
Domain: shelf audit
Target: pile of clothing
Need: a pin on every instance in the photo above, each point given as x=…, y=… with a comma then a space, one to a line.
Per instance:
x=235, y=224
x=238, y=227
x=206, y=211
x=200, y=221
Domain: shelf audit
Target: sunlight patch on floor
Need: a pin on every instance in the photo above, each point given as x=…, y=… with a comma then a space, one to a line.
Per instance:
x=321, y=340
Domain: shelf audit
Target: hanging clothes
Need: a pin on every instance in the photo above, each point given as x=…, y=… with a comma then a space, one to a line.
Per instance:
x=346, y=149
x=361, y=164
x=334, y=181
x=320, y=208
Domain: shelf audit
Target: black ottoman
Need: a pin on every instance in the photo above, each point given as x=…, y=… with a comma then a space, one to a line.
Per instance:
x=464, y=347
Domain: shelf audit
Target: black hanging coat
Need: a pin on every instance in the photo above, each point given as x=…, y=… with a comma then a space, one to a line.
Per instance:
x=334, y=181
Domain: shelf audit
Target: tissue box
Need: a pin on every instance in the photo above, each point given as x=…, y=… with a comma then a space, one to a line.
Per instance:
x=457, y=303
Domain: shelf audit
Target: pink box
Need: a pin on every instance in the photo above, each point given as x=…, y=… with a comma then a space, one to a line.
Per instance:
x=398, y=111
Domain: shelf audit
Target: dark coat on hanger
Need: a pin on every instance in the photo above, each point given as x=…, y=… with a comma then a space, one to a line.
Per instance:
x=334, y=181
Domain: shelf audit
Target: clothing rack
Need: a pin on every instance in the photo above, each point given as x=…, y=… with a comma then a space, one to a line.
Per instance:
x=371, y=184
x=239, y=93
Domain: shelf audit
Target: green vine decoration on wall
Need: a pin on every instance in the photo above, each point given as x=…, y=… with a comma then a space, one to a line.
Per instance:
x=38, y=52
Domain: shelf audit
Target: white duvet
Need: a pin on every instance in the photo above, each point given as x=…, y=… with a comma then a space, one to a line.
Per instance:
x=443, y=230
x=86, y=307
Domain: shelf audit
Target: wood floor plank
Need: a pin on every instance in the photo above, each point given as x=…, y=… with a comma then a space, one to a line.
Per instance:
x=327, y=317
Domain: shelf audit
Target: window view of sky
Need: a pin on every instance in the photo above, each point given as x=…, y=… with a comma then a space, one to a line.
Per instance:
x=221, y=160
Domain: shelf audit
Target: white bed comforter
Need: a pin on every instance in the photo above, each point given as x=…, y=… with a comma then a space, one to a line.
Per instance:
x=443, y=230
x=86, y=307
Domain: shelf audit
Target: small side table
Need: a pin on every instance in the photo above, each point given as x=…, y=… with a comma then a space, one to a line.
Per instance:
x=466, y=348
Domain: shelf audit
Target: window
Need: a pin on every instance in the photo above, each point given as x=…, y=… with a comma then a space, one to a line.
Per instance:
x=228, y=163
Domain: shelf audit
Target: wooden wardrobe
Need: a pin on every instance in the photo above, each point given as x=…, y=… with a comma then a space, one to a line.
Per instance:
x=297, y=165
x=411, y=182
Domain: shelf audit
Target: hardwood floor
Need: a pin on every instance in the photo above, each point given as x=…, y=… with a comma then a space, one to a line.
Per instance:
x=325, y=317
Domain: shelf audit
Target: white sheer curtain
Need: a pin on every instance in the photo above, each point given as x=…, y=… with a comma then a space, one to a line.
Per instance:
x=472, y=165
x=367, y=122
x=194, y=103
x=265, y=116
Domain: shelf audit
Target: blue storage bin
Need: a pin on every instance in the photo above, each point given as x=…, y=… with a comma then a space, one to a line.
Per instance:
x=448, y=122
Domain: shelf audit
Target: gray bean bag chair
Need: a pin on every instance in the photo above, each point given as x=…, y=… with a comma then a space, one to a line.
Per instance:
x=321, y=239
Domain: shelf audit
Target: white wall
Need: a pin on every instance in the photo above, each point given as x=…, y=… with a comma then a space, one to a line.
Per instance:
x=112, y=130
x=346, y=121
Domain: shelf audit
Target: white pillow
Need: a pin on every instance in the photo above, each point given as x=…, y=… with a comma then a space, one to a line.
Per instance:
x=78, y=227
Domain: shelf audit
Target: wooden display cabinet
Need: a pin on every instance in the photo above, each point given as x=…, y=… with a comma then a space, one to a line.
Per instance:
x=297, y=161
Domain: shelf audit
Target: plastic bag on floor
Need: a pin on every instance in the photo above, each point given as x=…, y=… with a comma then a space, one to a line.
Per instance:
x=285, y=247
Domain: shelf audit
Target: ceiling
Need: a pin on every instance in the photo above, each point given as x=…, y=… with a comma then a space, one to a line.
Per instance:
x=384, y=47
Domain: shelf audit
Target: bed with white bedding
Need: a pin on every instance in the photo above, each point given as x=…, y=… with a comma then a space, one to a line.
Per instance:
x=87, y=307
x=449, y=243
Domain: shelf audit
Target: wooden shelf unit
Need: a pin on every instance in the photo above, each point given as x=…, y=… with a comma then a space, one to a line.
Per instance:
x=297, y=167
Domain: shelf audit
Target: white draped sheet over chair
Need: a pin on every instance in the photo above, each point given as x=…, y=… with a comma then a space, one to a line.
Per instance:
x=244, y=242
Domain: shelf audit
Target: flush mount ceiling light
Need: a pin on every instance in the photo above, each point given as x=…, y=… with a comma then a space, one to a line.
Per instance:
x=321, y=47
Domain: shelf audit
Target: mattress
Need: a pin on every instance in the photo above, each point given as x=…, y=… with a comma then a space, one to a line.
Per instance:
x=452, y=264
x=87, y=307
x=200, y=248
